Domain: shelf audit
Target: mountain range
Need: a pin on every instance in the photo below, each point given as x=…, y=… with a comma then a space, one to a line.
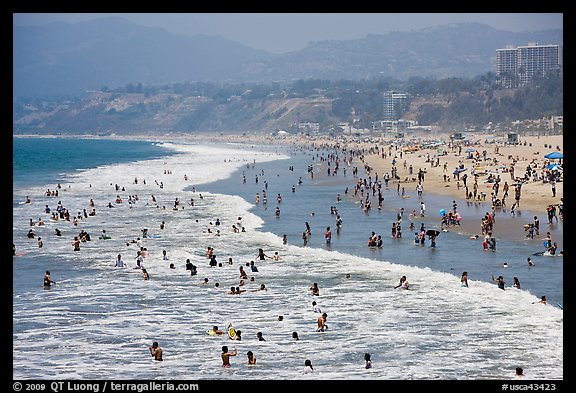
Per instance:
x=61, y=59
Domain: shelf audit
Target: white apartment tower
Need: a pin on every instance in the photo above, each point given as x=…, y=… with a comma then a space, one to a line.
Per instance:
x=518, y=66
x=394, y=105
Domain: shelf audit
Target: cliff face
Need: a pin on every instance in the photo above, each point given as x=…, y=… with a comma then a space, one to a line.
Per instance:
x=124, y=112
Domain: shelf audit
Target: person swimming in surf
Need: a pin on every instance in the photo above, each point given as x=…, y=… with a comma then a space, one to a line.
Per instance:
x=216, y=330
x=403, y=283
x=500, y=281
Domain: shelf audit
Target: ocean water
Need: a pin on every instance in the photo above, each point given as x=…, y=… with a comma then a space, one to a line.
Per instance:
x=98, y=321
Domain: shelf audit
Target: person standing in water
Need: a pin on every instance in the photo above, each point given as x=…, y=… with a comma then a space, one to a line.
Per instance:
x=251, y=357
x=328, y=236
x=119, y=262
x=368, y=360
x=156, y=351
x=308, y=367
x=76, y=243
x=47, y=280
x=226, y=356
x=261, y=255
x=315, y=290
x=316, y=308
x=464, y=280
x=322, y=323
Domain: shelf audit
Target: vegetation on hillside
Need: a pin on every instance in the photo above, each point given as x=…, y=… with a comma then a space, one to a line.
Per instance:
x=215, y=106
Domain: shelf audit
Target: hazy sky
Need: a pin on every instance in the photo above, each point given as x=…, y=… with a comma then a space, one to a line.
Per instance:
x=284, y=32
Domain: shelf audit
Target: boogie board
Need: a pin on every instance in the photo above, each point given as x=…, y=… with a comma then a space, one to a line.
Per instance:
x=104, y=237
x=547, y=254
x=211, y=332
x=231, y=331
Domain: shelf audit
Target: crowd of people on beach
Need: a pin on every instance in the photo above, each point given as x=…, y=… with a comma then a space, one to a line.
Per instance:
x=368, y=191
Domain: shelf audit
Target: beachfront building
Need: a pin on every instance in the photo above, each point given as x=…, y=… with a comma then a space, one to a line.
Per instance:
x=309, y=127
x=555, y=123
x=393, y=126
x=516, y=66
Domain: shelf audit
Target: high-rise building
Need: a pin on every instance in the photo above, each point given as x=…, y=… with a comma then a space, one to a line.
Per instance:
x=394, y=105
x=518, y=66
x=507, y=66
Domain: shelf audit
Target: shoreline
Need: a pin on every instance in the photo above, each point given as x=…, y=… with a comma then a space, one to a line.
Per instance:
x=498, y=158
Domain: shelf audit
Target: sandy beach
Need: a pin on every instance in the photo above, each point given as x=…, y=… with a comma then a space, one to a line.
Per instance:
x=536, y=196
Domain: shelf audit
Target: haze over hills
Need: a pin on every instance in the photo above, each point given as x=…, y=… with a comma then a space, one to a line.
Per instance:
x=457, y=50
x=60, y=59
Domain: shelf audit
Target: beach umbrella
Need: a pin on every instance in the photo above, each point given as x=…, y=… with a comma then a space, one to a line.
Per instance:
x=459, y=170
x=553, y=167
x=470, y=150
x=432, y=232
x=554, y=155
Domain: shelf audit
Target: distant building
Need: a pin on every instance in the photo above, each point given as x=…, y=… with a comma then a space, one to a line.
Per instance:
x=554, y=123
x=309, y=127
x=517, y=66
x=394, y=104
x=393, y=125
x=507, y=66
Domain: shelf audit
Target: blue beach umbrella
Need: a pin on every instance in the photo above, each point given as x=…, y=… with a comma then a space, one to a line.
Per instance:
x=554, y=155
